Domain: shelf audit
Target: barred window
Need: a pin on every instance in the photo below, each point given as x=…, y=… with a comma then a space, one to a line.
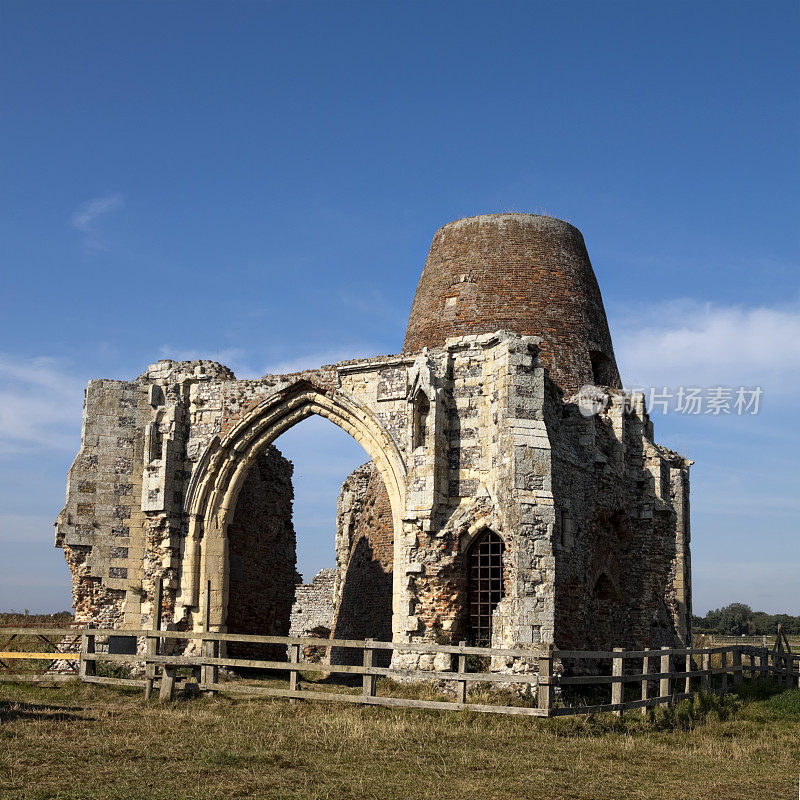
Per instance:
x=486, y=585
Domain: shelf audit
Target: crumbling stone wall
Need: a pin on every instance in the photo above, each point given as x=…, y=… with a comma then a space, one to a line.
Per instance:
x=364, y=559
x=102, y=525
x=468, y=433
x=262, y=556
x=313, y=612
x=621, y=530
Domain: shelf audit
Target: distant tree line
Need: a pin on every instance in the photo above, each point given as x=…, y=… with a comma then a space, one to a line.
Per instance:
x=738, y=619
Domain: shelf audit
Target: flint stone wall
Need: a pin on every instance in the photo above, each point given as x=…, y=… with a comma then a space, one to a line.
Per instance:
x=313, y=610
x=313, y=613
x=262, y=557
x=467, y=436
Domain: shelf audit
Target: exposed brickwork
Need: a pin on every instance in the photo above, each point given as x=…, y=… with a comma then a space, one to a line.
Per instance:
x=517, y=272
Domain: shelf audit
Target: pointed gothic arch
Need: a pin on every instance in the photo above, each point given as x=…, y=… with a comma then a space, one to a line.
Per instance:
x=221, y=471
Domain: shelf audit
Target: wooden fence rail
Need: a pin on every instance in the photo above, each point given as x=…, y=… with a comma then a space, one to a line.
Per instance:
x=653, y=677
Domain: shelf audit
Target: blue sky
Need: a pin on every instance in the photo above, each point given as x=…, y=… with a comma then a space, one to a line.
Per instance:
x=259, y=183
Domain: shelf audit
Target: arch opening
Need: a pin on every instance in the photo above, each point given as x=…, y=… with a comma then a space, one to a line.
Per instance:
x=242, y=537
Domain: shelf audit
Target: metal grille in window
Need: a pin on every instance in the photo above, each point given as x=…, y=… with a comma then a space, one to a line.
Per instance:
x=485, y=585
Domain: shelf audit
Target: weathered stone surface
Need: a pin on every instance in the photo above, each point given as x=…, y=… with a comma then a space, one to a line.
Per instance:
x=261, y=556
x=176, y=479
x=314, y=609
x=313, y=612
x=364, y=561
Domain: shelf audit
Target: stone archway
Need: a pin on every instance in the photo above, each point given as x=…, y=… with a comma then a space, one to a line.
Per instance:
x=215, y=487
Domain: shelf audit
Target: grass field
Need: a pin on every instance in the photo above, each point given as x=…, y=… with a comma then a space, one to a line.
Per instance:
x=79, y=741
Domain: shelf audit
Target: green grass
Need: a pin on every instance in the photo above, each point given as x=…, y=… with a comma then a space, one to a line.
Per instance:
x=79, y=741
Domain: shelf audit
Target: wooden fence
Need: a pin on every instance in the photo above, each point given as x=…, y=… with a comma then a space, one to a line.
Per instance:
x=651, y=677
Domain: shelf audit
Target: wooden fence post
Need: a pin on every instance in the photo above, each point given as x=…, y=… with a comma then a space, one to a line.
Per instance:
x=645, y=672
x=151, y=642
x=461, y=687
x=687, y=687
x=167, y=689
x=736, y=657
x=368, y=682
x=705, y=678
x=209, y=673
x=787, y=666
x=617, y=688
x=665, y=684
x=724, y=664
x=545, y=676
x=294, y=658
x=87, y=668
x=789, y=660
x=797, y=667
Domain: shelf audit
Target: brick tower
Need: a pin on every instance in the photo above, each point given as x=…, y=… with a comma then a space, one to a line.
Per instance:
x=524, y=273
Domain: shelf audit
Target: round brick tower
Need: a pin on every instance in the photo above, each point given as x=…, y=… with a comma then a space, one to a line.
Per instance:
x=519, y=272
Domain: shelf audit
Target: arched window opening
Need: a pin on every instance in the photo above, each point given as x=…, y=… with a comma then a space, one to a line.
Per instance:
x=605, y=613
x=602, y=369
x=486, y=586
x=422, y=410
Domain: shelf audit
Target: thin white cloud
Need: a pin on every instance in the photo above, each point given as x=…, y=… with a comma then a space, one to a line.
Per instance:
x=40, y=405
x=86, y=216
x=83, y=218
x=686, y=342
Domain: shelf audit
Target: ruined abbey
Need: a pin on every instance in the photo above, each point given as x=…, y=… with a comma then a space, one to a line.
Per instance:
x=515, y=493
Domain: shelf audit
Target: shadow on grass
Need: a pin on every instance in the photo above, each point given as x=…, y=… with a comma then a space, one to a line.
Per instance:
x=14, y=711
x=761, y=701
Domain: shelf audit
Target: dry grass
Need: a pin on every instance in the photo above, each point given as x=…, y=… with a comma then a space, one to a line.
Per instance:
x=79, y=741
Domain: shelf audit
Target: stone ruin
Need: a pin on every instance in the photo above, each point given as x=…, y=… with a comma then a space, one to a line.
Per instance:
x=515, y=494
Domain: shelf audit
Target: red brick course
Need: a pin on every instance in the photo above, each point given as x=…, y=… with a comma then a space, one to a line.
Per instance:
x=517, y=272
